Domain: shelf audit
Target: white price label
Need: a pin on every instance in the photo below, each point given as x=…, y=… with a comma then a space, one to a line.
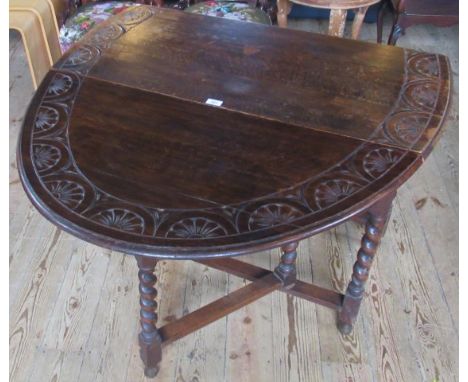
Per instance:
x=214, y=102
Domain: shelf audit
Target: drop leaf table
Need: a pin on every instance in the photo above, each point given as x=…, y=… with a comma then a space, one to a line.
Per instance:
x=169, y=135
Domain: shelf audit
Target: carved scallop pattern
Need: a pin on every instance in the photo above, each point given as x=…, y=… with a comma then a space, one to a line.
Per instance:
x=424, y=64
x=45, y=156
x=378, y=161
x=332, y=191
x=47, y=118
x=81, y=56
x=196, y=228
x=136, y=15
x=272, y=214
x=60, y=85
x=422, y=94
x=415, y=106
x=67, y=192
x=406, y=123
x=107, y=34
x=121, y=219
x=410, y=128
x=407, y=127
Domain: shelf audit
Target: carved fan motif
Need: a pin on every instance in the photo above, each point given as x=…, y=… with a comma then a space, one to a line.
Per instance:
x=136, y=15
x=272, y=214
x=378, y=161
x=108, y=33
x=423, y=95
x=407, y=127
x=45, y=156
x=120, y=219
x=424, y=64
x=69, y=193
x=81, y=56
x=332, y=191
x=47, y=117
x=196, y=228
x=60, y=84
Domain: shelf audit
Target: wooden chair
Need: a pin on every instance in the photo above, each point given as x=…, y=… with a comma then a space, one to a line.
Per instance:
x=442, y=13
x=35, y=20
x=338, y=12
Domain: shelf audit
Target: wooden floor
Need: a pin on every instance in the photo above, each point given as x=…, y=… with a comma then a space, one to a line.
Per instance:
x=74, y=306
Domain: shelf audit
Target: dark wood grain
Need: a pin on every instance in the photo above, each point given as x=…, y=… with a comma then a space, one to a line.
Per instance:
x=227, y=153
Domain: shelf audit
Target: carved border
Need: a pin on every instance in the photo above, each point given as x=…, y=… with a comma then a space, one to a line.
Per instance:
x=58, y=173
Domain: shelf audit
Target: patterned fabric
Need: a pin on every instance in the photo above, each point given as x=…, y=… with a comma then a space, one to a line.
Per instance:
x=231, y=10
x=86, y=18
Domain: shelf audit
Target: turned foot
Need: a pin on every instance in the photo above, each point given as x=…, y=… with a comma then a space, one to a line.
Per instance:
x=149, y=338
x=151, y=372
x=345, y=328
x=395, y=34
x=377, y=219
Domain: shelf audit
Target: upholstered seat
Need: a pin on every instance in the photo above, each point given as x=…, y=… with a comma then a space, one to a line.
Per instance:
x=87, y=17
x=38, y=22
x=231, y=10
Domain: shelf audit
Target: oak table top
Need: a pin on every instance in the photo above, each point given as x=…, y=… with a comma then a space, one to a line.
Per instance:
x=120, y=148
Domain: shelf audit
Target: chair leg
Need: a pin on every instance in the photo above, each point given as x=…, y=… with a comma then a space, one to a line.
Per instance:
x=284, y=8
x=149, y=338
x=377, y=219
x=380, y=16
x=400, y=22
x=395, y=34
x=337, y=22
x=358, y=20
x=45, y=18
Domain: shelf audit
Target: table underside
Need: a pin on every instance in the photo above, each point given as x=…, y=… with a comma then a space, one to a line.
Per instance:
x=262, y=283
